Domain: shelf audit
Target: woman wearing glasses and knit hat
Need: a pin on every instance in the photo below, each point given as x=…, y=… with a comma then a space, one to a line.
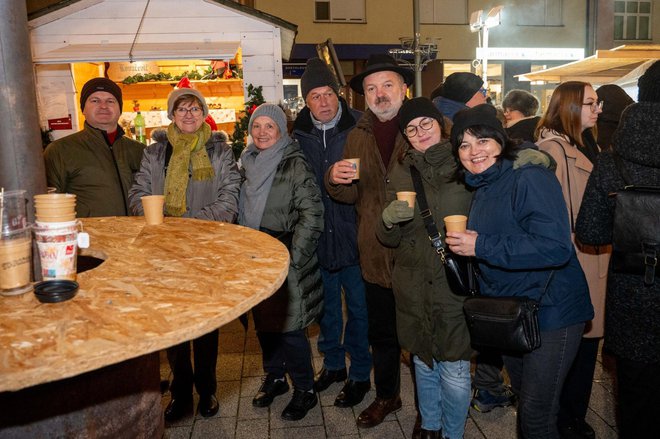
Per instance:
x=429, y=317
x=195, y=169
x=566, y=132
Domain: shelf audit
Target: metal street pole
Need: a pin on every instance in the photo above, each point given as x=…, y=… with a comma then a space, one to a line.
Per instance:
x=484, y=61
x=417, y=50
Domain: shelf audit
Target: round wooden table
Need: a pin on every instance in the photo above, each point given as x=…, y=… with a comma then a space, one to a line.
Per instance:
x=159, y=286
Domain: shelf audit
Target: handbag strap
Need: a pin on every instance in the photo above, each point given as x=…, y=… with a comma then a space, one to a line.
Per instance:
x=427, y=217
x=432, y=228
x=568, y=181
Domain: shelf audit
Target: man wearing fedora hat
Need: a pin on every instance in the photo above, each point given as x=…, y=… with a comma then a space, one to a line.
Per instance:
x=377, y=141
x=99, y=162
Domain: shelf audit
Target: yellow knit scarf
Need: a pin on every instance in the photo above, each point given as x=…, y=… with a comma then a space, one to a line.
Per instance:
x=188, y=150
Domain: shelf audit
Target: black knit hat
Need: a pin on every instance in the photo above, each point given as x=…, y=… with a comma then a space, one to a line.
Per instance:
x=381, y=62
x=100, y=84
x=484, y=114
x=649, y=84
x=317, y=74
x=417, y=107
x=461, y=86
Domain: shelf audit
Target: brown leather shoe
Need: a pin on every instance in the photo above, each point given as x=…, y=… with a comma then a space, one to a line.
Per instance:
x=377, y=411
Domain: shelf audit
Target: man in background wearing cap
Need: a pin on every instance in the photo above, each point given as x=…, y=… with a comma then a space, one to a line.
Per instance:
x=321, y=129
x=98, y=163
x=460, y=90
x=377, y=141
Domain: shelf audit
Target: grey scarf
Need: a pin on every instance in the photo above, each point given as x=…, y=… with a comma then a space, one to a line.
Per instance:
x=260, y=167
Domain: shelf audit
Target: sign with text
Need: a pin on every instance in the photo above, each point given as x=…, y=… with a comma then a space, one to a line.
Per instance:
x=60, y=123
x=531, y=53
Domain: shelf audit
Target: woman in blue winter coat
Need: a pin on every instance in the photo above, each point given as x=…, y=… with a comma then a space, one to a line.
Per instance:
x=519, y=234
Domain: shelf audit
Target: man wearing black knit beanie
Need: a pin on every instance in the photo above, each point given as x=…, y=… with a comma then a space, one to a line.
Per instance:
x=96, y=164
x=321, y=129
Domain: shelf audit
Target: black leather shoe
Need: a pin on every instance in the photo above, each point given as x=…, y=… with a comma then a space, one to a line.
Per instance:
x=578, y=429
x=352, y=393
x=430, y=434
x=177, y=409
x=208, y=405
x=269, y=390
x=300, y=404
x=326, y=378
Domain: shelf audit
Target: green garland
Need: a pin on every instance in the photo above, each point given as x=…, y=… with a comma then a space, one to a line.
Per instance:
x=255, y=98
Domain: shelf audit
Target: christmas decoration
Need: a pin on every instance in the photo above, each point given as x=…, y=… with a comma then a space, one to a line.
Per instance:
x=255, y=98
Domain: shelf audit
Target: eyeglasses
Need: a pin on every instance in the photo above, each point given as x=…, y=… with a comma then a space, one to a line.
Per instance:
x=195, y=111
x=483, y=91
x=596, y=106
x=426, y=124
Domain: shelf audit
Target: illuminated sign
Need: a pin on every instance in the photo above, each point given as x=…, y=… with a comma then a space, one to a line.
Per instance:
x=531, y=53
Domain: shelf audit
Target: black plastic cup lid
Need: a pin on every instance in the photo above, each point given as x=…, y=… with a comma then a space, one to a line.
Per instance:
x=53, y=291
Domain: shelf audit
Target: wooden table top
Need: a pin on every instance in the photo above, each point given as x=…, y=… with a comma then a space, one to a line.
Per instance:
x=159, y=286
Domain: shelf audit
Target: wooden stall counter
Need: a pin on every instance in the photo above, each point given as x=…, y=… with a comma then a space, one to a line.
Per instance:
x=159, y=286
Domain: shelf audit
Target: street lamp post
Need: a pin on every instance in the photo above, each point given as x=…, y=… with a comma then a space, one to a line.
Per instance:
x=480, y=22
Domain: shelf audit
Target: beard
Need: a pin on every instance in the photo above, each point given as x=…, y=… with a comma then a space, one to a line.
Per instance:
x=385, y=112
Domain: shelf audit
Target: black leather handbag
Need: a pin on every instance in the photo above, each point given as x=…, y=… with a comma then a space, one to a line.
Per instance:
x=459, y=270
x=508, y=324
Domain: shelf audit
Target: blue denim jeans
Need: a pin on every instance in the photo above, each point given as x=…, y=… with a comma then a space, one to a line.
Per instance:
x=355, y=341
x=537, y=378
x=444, y=395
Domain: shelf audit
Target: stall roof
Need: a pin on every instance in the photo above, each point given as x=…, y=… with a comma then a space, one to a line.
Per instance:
x=148, y=36
x=605, y=66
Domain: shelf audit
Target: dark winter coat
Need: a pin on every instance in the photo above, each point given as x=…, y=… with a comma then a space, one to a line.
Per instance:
x=523, y=129
x=429, y=317
x=448, y=107
x=338, y=242
x=632, y=311
x=368, y=195
x=294, y=206
x=215, y=200
x=524, y=236
x=99, y=174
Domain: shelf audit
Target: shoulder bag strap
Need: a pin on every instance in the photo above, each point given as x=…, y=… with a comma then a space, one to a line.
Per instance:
x=568, y=181
x=427, y=217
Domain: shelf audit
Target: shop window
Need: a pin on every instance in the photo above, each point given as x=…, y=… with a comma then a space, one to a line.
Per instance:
x=340, y=11
x=443, y=11
x=541, y=13
x=632, y=20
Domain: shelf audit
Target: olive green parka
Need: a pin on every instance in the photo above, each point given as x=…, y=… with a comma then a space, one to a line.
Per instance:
x=430, y=321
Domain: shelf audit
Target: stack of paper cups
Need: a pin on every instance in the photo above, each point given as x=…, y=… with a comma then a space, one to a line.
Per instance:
x=56, y=233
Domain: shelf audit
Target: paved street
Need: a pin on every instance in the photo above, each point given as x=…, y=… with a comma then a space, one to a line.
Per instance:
x=240, y=374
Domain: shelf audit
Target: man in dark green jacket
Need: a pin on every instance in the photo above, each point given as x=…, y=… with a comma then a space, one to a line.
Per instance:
x=96, y=164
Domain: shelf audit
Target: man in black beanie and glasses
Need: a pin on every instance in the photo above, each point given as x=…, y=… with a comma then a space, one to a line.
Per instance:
x=96, y=164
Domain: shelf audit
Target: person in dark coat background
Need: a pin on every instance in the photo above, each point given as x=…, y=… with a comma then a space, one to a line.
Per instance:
x=520, y=108
x=632, y=310
x=615, y=100
x=321, y=129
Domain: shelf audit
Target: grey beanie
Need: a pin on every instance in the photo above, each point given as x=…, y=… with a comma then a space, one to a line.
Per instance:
x=176, y=94
x=272, y=111
x=317, y=74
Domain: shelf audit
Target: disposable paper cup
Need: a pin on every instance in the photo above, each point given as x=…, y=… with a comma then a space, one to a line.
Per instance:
x=356, y=166
x=408, y=197
x=57, y=245
x=15, y=262
x=455, y=223
x=14, y=213
x=153, y=209
x=53, y=198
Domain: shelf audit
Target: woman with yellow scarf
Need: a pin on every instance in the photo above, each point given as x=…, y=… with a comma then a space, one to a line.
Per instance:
x=195, y=169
